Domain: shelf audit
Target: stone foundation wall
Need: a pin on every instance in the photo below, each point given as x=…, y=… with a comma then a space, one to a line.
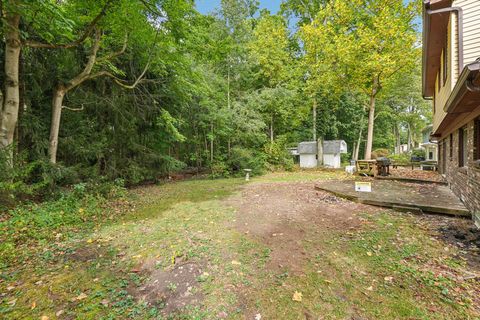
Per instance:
x=464, y=181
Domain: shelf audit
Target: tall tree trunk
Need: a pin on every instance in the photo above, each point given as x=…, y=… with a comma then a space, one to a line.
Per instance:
x=359, y=141
x=371, y=120
x=57, y=102
x=211, y=144
x=271, y=129
x=314, y=118
x=397, y=139
x=11, y=99
x=229, y=143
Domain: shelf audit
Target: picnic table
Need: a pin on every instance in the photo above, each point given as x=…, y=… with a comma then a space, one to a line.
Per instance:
x=366, y=167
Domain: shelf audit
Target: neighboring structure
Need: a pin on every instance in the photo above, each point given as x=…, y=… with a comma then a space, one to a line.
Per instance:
x=430, y=148
x=403, y=148
x=331, y=153
x=451, y=78
x=308, y=154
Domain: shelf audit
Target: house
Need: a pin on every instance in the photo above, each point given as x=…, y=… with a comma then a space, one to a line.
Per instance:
x=331, y=152
x=308, y=154
x=429, y=146
x=451, y=79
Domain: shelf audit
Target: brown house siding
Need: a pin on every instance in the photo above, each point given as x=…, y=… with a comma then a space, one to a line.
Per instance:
x=464, y=181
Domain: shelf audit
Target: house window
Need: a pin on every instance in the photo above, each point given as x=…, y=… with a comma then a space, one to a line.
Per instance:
x=476, y=139
x=462, y=147
x=430, y=155
x=451, y=147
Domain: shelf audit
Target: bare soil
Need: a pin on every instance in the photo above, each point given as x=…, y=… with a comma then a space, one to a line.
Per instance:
x=170, y=290
x=283, y=215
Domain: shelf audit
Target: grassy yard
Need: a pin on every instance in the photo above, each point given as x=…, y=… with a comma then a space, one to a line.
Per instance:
x=194, y=250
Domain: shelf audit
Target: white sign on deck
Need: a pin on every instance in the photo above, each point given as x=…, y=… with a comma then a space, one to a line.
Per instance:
x=363, y=186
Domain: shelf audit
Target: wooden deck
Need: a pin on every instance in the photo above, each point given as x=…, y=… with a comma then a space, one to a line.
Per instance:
x=399, y=195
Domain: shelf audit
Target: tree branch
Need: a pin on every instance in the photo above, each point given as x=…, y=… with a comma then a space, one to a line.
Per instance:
x=73, y=109
x=84, y=75
x=117, y=53
x=88, y=31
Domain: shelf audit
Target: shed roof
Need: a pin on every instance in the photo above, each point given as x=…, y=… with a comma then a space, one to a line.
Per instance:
x=334, y=146
x=307, y=147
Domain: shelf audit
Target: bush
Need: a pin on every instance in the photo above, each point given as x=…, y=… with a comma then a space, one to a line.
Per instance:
x=25, y=180
x=242, y=158
x=379, y=153
x=278, y=155
x=418, y=153
x=403, y=158
x=219, y=169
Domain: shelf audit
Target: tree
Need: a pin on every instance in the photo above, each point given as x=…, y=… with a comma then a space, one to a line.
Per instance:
x=363, y=44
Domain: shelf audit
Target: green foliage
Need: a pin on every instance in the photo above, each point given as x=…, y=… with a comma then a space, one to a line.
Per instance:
x=222, y=92
x=418, y=153
x=242, y=158
x=278, y=156
x=403, y=158
x=379, y=153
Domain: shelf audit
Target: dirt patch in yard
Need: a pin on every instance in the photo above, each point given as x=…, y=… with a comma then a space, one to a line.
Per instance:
x=170, y=290
x=459, y=233
x=87, y=253
x=285, y=215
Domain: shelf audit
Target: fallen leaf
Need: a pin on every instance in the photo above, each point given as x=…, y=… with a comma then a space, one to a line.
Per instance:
x=34, y=305
x=258, y=316
x=89, y=241
x=297, y=296
x=369, y=253
x=59, y=313
x=370, y=288
x=236, y=263
x=388, y=279
x=44, y=318
x=81, y=296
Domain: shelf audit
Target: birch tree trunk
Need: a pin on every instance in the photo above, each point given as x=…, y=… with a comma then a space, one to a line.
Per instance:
x=211, y=144
x=371, y=120
x=57, y=103
x=359, y=141
x=11, y=98
x=271, y=129
x=314, y=118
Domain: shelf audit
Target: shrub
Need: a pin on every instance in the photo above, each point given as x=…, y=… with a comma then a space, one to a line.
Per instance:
x=379, y=153
x=242, y=158
x=219, y=169
x=278, y=155
x=403, y=158
x=419, y=153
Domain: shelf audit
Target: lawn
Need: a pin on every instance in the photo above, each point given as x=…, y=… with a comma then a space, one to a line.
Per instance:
x=273, y=248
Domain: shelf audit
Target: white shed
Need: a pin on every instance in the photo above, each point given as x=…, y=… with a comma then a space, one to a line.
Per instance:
x=308, y=154
x=331, y=152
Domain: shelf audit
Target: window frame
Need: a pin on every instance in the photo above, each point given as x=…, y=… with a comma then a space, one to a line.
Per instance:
x=462, y=147
x=451, y=146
